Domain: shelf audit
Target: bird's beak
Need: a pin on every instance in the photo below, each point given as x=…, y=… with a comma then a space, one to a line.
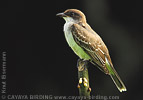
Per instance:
x=61, y=15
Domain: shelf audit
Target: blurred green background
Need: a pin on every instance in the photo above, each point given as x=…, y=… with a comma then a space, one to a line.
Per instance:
x=39, y=60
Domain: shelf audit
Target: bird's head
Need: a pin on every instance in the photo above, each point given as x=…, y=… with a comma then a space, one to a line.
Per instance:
x=73, y=15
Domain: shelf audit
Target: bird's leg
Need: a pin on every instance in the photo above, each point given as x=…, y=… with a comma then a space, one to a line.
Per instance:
x=80, y=63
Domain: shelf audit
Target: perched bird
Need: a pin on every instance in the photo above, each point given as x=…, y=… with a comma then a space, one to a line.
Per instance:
x=87, y=44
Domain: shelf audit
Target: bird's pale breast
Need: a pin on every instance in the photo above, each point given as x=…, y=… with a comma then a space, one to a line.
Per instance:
x=71, y=42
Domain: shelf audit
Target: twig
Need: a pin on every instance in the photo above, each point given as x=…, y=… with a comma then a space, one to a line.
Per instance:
x=83, y=85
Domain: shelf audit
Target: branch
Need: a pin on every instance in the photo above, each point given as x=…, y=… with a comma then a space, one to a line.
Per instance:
x=83, y=85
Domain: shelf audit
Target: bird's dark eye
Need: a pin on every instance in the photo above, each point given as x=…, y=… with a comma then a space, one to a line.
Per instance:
x=72, y=14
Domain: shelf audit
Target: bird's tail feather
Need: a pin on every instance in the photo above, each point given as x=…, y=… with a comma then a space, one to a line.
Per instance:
x=115, y=77
x=118, y=82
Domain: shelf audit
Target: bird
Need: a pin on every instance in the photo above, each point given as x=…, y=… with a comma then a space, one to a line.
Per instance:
x=88, y=45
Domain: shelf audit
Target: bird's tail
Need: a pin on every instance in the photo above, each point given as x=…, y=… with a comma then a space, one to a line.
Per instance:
x=115, y=77
x=118, y=82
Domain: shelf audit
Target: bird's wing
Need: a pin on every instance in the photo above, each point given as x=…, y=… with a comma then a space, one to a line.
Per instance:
x=93, y=45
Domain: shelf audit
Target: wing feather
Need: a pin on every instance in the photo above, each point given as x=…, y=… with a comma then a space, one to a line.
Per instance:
x=93, y=45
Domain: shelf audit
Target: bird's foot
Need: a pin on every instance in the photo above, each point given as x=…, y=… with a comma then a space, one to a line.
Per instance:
x=81, y=64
